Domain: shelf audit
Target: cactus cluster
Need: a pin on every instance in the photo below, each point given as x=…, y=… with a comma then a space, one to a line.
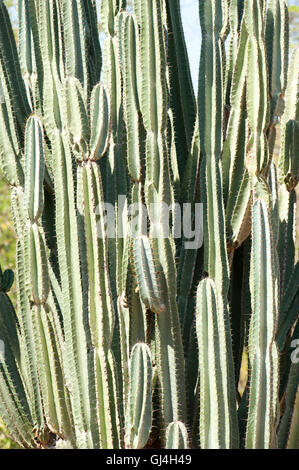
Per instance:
x=122, y=341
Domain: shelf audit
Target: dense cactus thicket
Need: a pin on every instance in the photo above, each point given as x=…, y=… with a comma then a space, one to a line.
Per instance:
x=127, y=338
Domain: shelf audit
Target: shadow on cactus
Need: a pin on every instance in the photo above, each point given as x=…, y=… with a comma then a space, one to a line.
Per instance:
x=124, y=340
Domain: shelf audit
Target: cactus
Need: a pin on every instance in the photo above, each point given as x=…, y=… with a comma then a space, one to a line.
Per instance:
x=139, y=413
x=126, y=334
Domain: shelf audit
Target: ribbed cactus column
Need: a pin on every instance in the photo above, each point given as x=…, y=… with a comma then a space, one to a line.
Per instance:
x=139, y=409
x=37, y=285
x=277, y=48
x=117, y=189
x=12, y=121
x=236, y=183
x=257, y=88
x=288, y=160
x=90, y=204
x=288, y=426
x=176, y=436
x=263, y=353
x=125, y=336
x=215, y=427
x=12, y=392
x=74, y=310
x=182, y=99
